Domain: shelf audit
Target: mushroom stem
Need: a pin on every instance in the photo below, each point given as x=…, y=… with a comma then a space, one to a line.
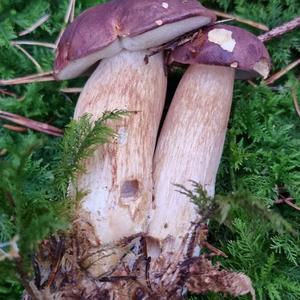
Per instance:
x=119, y=175
x=189, y=148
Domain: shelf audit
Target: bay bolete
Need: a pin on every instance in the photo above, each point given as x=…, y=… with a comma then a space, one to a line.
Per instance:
x=191, y=141
x=119, y=175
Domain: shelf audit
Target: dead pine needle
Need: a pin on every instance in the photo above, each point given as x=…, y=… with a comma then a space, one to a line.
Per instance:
x=71, y=90
x=35, y=25
x=30, y=57
x=34, y=43
x=288, y=201
x=241, y=20
x=5, y=92
x=40, y=77
x=296, y=102
x=15, y=128
x=28, y=123
x=282, y=72
x=224, y=21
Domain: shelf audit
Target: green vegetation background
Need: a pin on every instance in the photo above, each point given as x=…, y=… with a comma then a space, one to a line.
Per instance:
x=261, y=160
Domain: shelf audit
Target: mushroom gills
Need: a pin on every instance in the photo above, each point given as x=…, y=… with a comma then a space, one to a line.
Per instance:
x=150, y=39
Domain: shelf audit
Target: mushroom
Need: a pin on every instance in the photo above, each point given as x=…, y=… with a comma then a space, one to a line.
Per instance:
x=191, y=141
x=119, y=175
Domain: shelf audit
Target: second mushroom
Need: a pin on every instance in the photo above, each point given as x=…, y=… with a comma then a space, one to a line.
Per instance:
x=192, y=138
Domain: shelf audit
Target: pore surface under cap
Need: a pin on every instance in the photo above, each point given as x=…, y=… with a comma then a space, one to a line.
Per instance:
x=104, y=30
x=229, y=46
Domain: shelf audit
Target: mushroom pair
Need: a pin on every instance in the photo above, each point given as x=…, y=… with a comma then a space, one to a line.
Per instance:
x=192, y=137
x=123, y=201
x=119, y=175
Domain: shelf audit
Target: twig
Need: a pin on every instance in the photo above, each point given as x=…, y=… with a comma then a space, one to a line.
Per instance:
x=280, y=30
x=35, y=125
x=35, y=25
x=296, y=103
x=45, y=76
x=73, y=12
x=289, y=202
x=57, y=264
x=213, y=249
x=37, y=65
x=66, y=20
x=71, y=90
x=282, y=72
x=224, y=21
x=34, y=43
x=241, y=20
x=8, y=93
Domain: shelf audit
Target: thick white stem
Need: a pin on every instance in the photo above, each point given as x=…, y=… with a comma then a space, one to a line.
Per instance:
x=119, y=178
x=189, y=148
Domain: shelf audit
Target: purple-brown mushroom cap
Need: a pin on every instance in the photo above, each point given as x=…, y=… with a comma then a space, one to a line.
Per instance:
x=225, y=45
x=104, y=30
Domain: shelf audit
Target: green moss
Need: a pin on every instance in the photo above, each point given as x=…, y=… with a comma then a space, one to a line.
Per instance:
x=261, y=160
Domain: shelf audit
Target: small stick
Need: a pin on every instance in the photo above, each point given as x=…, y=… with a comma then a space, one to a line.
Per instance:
x=34, y=43
x=280, y=30
x=71, y=90
x=213, y=249
x=289, y=202
x=41, y=77
x=35, y=125
x=8, y=93
x=37, y=65
x=73, y=12
x=241, y=20
x=282, y=72
x=296, y=103
x=15, y=128
x=35, y=25
x=224, y=21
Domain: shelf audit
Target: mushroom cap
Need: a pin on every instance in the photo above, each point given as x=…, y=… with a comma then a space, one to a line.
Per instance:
x=225, y=45
x=104, y=30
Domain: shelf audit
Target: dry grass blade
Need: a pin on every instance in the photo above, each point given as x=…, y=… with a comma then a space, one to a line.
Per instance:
x=35, y=25
x=34, y=43
x=280, y=30
x=224, y=21
x=15, y=128
x=71, y=90
x=4, y=92
x=241, y=20
x=72, y=16
x=40, y=77
x=37, y=65
x=289, y=202
x=296, y=103
x=35, y=125
x=282, y=72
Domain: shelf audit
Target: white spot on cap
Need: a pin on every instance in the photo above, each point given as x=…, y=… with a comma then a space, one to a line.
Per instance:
x=159, y=22
x=165, y=5
x=223, y=38
x=262, y=67
x=234, y=64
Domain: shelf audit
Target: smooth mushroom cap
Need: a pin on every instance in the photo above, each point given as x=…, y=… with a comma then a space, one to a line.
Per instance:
x=104, y=30
x=225, y=45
